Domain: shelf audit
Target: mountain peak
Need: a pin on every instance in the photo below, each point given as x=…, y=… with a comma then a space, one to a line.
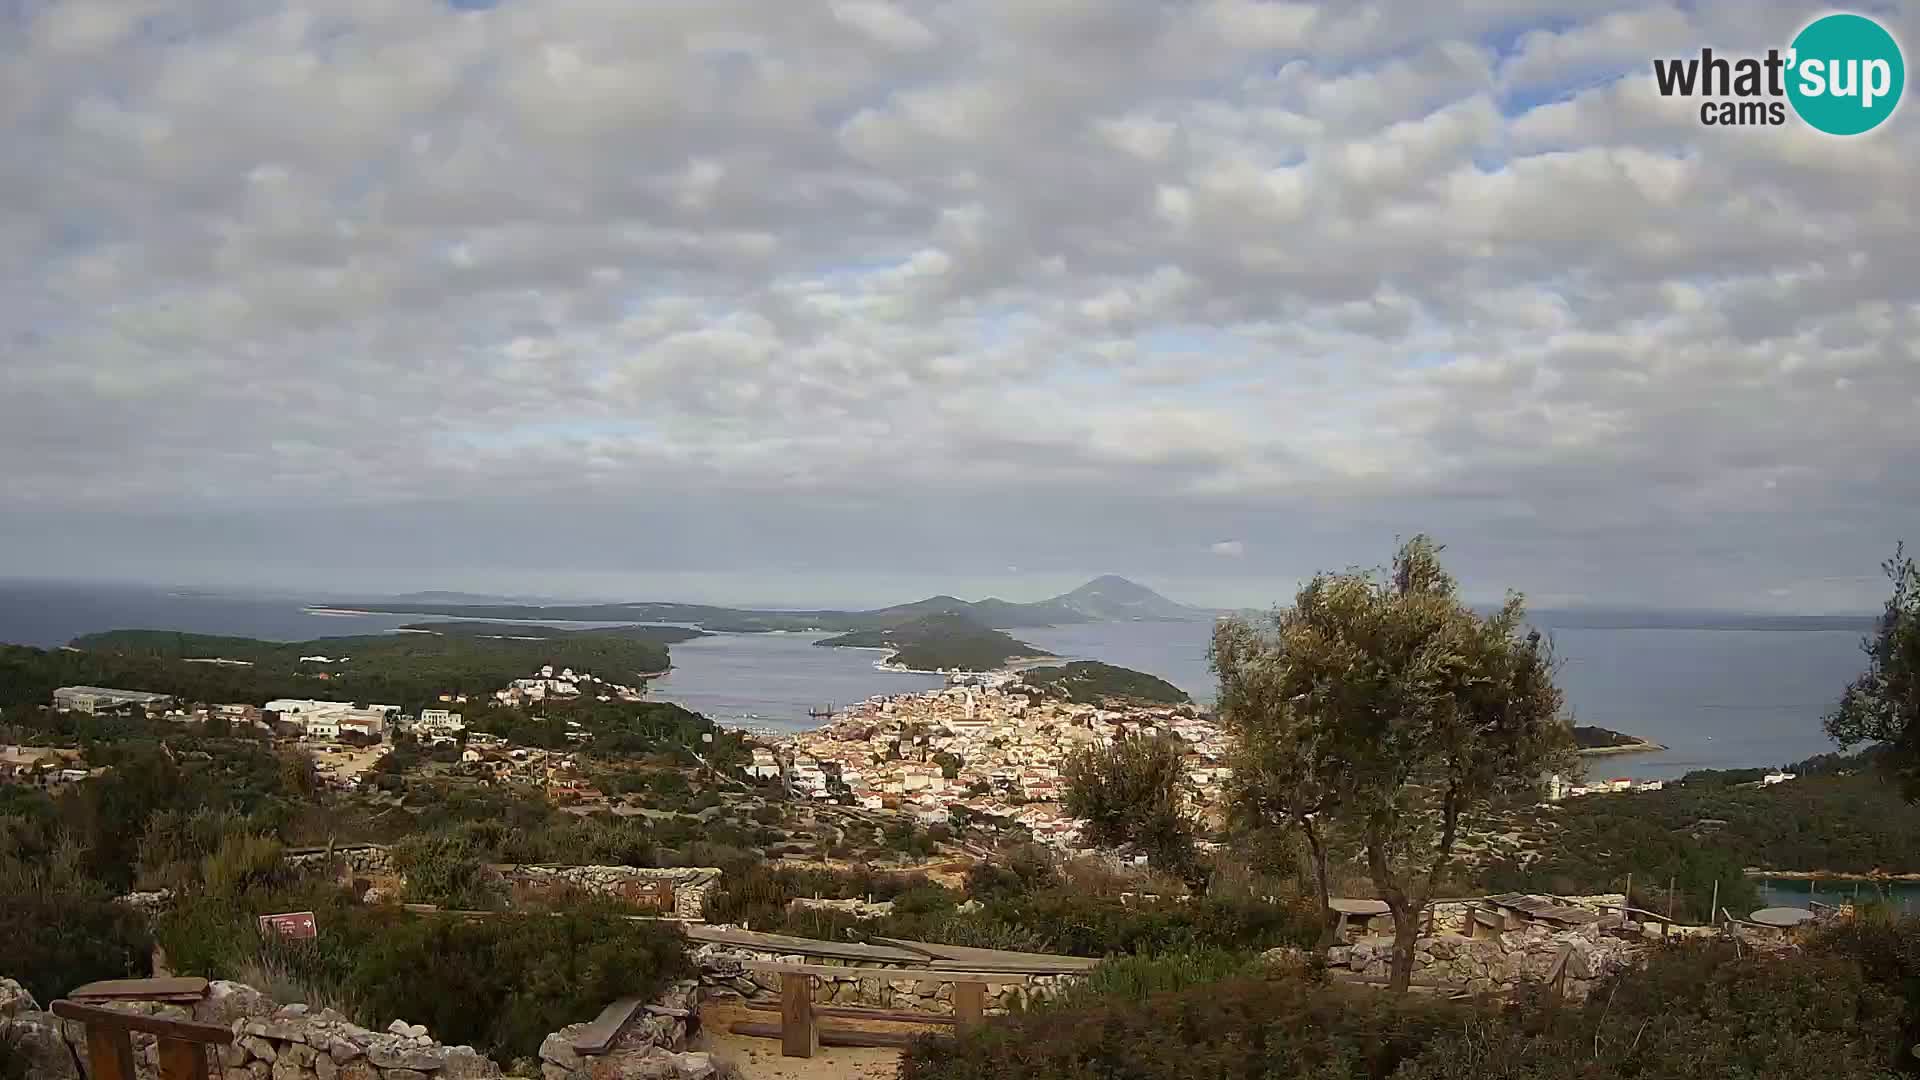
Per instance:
x=1111, y=597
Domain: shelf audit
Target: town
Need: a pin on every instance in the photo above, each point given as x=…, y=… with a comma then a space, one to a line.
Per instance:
x=987, y=746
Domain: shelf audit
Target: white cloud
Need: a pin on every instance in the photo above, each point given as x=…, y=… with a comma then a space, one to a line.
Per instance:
x=1084, y=268
x=1231, y=549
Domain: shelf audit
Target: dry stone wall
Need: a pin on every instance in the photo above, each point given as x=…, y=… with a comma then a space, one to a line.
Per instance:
x=648, y=1047
x=360, y=860
x=723, y=974
x=692, y=885
x=1493, y=964
x=294, y=1042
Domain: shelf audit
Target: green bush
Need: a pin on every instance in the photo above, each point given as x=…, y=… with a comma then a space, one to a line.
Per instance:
x=503, y=984
x=1136, y=978
x=1245, y=1027
x=1692, y=1012
x=500, y=983
x=445, y=871
x=54, y=940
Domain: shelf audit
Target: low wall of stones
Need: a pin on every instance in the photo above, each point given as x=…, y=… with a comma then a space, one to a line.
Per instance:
x=1495, y=964
x=692, y=885
x=723, y=974
x=647, y=1047
x=271, y=1042
x=361, y=860
x=294, y=1042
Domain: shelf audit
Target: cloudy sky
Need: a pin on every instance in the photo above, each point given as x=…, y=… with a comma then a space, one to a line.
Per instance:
x=848, y=301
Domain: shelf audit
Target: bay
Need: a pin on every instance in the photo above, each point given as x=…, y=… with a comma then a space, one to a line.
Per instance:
x=1717, y=698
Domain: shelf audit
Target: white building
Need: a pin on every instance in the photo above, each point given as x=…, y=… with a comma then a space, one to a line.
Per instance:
x=299, y=708
x=323, y=726
x=439, y=722
x=86, y=699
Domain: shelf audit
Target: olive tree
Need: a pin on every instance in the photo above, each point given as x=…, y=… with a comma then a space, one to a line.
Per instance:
x=1129, y=791
x=1883, y=704
x=1283, y=777
x=1385, y=705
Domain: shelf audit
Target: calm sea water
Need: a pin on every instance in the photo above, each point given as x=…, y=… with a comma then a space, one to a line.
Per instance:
x=1717, y=698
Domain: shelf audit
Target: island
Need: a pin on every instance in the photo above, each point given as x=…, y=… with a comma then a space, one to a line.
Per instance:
x=1104, y=599
x=406, y=669
x=944, y=641
x=1599, y=740
x=1089, y=682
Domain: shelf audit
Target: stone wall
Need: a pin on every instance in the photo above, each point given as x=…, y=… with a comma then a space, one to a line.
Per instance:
x=647, y=1047
x=272, y=1043
x=359, y=860
x=691, y=884
x=1495, y=964
x=723, y=974
x=294, y=1042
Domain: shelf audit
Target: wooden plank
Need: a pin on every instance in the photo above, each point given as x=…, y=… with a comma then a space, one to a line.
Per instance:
x=109, y=1052
x=799, y=1037
x=969, y=1004
x=140, y=989
x=597, y=1037
x=799, y=946
x=182, y=1060
x=829, y=1036
x=826, y=971
x=110, y=1019
x=972, y=959
x=850, y=1012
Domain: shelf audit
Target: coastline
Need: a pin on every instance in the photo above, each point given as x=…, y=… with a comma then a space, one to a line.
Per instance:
x=1643, y=746
x=1824, y=875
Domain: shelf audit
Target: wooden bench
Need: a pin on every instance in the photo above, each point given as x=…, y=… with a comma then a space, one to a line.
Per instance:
x=801, y=1037
x=173, y=990
x=183, y=1043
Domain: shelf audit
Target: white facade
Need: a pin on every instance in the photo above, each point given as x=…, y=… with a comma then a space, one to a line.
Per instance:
x=290, y=708
x=439, y=722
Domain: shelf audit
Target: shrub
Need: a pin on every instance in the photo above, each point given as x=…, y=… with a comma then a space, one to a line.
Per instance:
x=54, y=940
x=1136, y=978
x=1692, y=1012
x=243, y=862
x=447, y=871
x=518, y=978
x=1244, y=1027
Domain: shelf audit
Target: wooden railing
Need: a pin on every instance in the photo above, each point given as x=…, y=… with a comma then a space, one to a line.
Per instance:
x=183, y=1043
x=800, y=1037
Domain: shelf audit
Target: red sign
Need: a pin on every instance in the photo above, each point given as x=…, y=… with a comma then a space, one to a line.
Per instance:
x=296, y=924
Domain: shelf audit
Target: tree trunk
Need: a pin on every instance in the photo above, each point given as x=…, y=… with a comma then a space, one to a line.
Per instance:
x=1406, y=933
x=1322, y=890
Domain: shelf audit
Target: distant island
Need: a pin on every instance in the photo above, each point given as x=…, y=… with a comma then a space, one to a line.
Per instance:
x=1104, y=599
x=410, y=670
x=943, y=641
x=507, y=631
x=1599, y=740
x=1089, y=682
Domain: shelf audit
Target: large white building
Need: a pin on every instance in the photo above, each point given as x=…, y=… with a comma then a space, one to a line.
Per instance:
x=439, y=722
x=86, y=699
x=297, y=708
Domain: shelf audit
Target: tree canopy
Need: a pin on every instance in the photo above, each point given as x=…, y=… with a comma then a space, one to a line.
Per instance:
x=1883, y=704
x=1383, y=700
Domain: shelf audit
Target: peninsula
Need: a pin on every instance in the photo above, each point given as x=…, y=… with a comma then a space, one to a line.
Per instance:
x=944, y=641
x=1599, y=740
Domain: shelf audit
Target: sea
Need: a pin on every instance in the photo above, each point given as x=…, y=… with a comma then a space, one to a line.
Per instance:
x=1718, y=699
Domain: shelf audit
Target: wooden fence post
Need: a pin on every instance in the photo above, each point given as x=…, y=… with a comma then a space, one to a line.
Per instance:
x=798, y=1036
x=969, y=1004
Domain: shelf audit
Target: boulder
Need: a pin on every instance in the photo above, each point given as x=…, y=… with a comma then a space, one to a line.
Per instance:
x=557, y=1048
x=14, y=999
x=39, y=1040
x=391, y=1056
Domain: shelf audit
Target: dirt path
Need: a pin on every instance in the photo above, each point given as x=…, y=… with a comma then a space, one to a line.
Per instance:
x=759, y=1059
